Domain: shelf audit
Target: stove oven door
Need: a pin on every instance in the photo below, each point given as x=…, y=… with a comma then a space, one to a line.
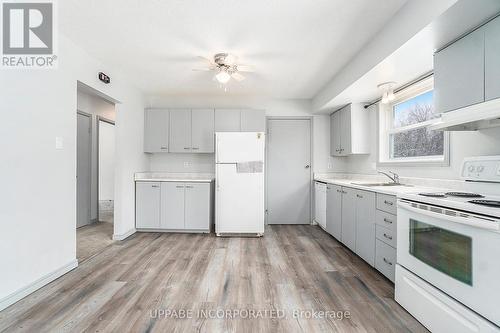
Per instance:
x=450, y=252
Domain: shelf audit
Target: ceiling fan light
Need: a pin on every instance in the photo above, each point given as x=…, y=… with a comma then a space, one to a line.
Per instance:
x=385, y=98
x=391, y=96
x=223, y=77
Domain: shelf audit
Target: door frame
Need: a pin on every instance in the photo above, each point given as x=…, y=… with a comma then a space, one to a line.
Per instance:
x=311, y=152
x=85, y=114
x=98, y=123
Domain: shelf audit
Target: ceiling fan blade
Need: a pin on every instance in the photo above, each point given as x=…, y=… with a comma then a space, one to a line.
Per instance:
x=245, y=68
x=238, y=77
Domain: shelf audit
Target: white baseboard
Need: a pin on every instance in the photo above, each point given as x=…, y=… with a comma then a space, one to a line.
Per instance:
x=44, y=280
x=121, y=237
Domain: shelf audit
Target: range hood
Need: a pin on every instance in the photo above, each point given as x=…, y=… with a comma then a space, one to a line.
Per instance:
x=470, y=118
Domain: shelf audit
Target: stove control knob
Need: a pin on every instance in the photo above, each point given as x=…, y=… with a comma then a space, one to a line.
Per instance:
x=480, y=168
x=471, y=168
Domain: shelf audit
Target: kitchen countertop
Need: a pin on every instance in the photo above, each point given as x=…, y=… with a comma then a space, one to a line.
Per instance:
x=174, y=177
x=390, y=190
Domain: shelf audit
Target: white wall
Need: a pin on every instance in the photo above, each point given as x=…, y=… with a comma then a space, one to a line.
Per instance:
x=462, y=144
x=106, y=161
x=274, y=107
x=95, y=106
x=38, y=197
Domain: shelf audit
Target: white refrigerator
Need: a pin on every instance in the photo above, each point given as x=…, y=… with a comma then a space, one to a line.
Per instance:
x=239, y=180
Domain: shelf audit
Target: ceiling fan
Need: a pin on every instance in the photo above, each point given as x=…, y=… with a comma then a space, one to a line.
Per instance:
x=226, y=67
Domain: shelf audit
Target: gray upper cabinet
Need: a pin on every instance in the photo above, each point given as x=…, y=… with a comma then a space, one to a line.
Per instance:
x=335, y=134
x=492, y=59
x=227, y=120
x=197, y=206
x=202, y=129
x=349, y=128
x=365, y=225
x=346, y=131
x=459, y=73
x=180, y=131
x=172, y=206
x=147, y=205
x=156, y=127
x=253, y=121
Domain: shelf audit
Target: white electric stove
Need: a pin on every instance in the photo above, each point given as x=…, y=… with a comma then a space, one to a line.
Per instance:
x=448, y=247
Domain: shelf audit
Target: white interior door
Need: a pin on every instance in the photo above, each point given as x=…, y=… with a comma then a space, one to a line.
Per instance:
x=83, y=169
x=289, y=171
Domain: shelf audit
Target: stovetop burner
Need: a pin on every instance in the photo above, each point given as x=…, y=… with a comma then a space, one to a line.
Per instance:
x=489, y=203
x=433, y=195
x=464, y=195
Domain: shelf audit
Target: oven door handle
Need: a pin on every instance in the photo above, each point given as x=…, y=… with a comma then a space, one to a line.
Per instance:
x=471, y=220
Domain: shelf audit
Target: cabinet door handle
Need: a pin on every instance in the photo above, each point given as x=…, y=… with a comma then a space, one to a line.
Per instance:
x=359, y=196
x=156, y=186
x=339, y=191
x=390, y=203
x=387, y=262
x=387, y=220
x=195, y=148
x=186, y=148
x=164, y=147
x=188, y=186
x=328, y=188
x=387, y=236
x=179, y=186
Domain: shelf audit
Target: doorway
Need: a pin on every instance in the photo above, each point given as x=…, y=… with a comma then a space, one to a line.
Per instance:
x=289, y=170
x=95, y=173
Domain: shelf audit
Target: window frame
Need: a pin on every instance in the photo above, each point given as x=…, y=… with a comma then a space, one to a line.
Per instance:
x=386, y=128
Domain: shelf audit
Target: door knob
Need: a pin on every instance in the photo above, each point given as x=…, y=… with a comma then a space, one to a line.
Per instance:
x=308, y=166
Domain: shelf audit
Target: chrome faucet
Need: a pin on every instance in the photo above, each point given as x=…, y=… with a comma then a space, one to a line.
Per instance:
x=394, y=177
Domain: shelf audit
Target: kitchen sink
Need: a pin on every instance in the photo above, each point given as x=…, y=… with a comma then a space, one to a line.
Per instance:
x=380, y=184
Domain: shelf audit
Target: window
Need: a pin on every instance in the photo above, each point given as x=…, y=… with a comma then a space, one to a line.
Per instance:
x=404, y=134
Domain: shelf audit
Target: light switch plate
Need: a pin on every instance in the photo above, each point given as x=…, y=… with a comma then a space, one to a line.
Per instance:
x=59, y=143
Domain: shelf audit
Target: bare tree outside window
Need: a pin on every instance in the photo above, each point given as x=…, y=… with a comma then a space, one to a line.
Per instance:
x=408, y=139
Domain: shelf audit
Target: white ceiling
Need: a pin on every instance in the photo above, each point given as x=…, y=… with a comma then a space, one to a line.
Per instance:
x=296, y=46
x=415, y=57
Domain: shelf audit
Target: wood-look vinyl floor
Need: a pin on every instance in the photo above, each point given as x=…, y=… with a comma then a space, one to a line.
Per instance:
x=94, y=238
x=301, y=268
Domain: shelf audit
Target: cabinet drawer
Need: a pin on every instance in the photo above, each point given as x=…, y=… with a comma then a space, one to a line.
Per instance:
x=386, y=235
x=385, y=259
x=387, y=203
x=386, y=220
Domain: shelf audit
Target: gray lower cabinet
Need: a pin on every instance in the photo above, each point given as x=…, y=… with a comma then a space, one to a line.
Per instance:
x=180, y=131
x=385, y=259
x=172, y=205
x=492, y=60
x=334, y=210
x=156, y=127
x=459, y=73
x=365, y=222
x=227, y=120
x=147, y=207
x=349, y=218
x=365, y=226
x=197, y=206
x=253, y=121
